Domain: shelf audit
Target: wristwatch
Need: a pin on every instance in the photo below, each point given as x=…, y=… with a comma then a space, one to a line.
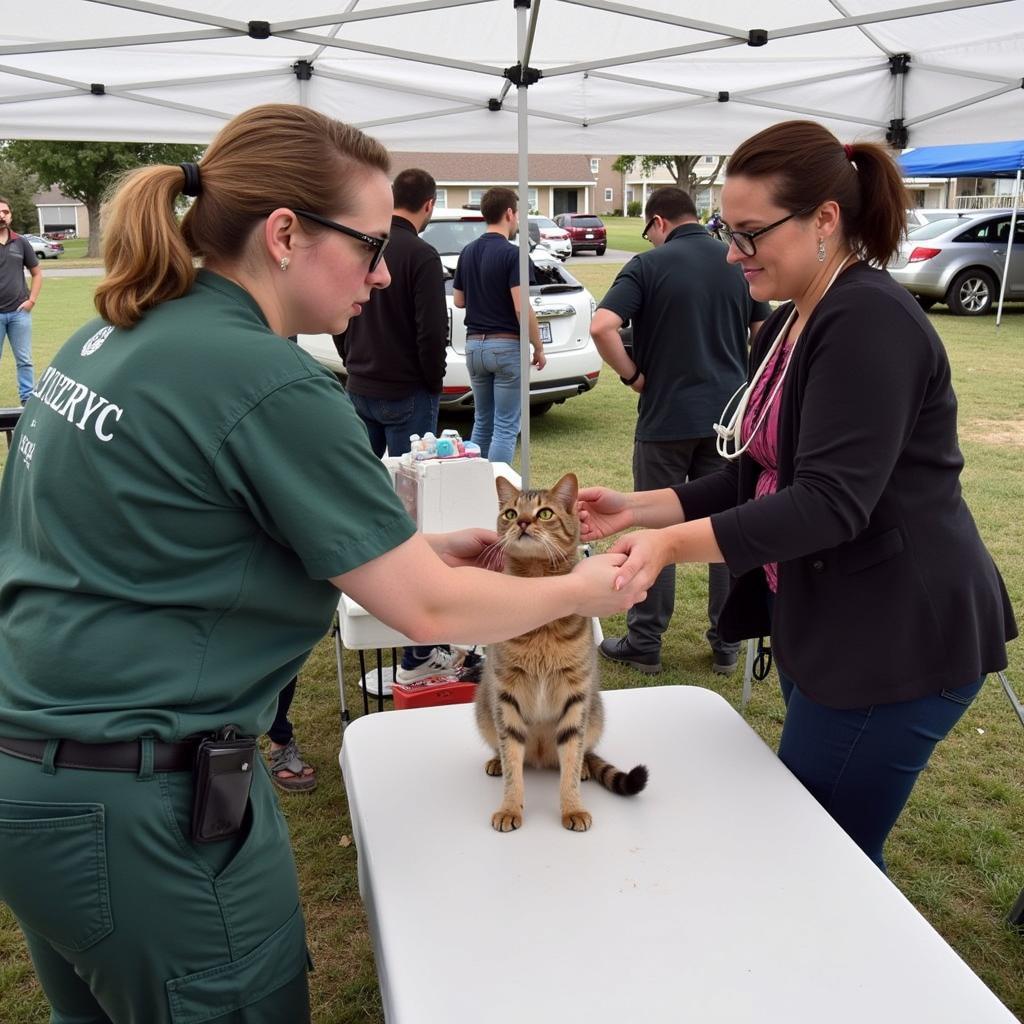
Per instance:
x=629, y=382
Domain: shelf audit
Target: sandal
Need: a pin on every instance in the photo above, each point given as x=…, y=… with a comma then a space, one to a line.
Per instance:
x=290, y=773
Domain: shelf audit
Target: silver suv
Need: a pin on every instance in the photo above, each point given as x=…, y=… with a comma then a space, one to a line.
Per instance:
x=959, y=260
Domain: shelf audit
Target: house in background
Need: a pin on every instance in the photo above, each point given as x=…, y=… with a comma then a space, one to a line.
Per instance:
x=617, y=189
x=558, y=183
x=58, y=213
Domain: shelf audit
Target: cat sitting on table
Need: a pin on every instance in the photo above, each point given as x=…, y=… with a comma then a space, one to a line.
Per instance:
x=539, y=702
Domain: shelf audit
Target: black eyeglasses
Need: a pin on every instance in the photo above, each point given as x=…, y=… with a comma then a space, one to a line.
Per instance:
x=744, y=240
x=650, y=224
x=374, y=244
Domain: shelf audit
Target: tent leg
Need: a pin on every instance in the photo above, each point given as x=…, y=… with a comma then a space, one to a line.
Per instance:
x=525, y=352
x=1009, y=248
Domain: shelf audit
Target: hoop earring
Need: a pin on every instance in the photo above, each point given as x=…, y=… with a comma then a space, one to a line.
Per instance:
x=284, y=262
x=821, y=251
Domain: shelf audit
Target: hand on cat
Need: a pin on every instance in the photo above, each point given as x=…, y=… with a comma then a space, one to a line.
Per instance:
x=602, y=512
x=604, y=594
x=648, y=552
x=463, y=547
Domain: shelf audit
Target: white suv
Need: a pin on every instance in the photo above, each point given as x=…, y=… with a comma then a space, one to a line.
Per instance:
x=562, y=305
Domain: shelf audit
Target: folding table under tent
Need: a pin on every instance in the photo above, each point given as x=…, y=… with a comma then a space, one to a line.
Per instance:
x=602, y=76
x=980, y=160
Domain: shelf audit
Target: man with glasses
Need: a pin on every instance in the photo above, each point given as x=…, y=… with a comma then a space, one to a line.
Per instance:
x=17, y=301
x=692, y=317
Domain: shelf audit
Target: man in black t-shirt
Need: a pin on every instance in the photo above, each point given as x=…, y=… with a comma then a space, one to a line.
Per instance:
x=692, y=316
x=17, y=301
x=487, y=285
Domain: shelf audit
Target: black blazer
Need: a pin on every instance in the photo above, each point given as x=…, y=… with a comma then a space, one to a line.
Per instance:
x=886, y=592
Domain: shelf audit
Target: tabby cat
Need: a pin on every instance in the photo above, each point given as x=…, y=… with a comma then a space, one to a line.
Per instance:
x=539, y=701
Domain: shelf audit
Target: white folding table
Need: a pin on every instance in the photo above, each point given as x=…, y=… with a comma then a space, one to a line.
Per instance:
x=722, y=894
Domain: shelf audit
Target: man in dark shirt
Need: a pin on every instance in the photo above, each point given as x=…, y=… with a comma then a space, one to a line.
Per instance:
x=487, y=286
x=16, y=301
x=394, y=351
x=692, y=315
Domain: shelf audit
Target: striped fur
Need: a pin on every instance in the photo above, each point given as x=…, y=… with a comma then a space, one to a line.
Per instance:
x=539, y=702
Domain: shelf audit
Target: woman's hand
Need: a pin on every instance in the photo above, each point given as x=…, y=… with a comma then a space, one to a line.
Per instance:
x=603, y=512
x=647, y=553
x=603, y=594
x=464, y=547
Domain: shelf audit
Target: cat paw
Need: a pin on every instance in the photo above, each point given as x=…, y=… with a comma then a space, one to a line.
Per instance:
x=493, y=767
x=577, y=821
x=504, y=820
x=584, y=772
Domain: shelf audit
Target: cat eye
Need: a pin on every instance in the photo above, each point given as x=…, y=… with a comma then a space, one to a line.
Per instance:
x=509, y=513
x=545, y=513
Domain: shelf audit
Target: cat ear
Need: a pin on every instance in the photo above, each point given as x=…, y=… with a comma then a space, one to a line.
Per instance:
x=565, y=491
x=506, y=492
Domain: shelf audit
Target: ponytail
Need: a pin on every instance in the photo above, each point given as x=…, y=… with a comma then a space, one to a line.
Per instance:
x=146, y=258
x=808, y=166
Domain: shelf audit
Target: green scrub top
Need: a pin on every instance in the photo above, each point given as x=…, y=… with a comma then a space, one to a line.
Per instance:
x=177, y=496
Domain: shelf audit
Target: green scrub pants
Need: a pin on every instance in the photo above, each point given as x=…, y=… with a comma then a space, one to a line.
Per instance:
x=128, y=921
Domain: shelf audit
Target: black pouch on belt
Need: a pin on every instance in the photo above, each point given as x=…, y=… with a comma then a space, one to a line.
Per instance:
x=221, y=780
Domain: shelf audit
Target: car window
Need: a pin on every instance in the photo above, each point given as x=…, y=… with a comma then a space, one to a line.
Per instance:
x=934, y=229
x=543, y=222
x=993, y=231
x=586, y=222
x=450, y=237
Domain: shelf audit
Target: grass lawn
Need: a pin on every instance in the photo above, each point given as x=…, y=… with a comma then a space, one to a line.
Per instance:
x=958, y=850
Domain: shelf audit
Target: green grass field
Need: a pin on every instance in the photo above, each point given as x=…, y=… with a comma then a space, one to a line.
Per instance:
x=958, y=851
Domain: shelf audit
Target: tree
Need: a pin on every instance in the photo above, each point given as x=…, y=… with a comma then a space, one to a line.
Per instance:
x=19, y=189
x=85, y=170
x=681, y=167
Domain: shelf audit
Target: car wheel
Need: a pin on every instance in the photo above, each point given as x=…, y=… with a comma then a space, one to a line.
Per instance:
x=600, y=250
x=541, y=408
x=971, y=293
x=924, y=302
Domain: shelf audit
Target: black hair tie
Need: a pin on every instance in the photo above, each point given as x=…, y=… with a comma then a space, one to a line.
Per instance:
x=192, y=186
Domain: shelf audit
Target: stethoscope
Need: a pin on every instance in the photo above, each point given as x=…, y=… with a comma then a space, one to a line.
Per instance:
x=729, y=434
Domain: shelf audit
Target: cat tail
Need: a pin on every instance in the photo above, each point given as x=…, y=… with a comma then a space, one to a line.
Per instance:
x=624, y=783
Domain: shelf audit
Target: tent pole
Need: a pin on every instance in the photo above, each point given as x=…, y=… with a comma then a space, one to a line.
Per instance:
x=525, y=351
x=1009, y=247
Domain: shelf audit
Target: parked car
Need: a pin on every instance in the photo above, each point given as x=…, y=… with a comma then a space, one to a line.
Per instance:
x=959, y=260
x=44, y=248
x=586, y=232
x=544, y=231
x=563, y=307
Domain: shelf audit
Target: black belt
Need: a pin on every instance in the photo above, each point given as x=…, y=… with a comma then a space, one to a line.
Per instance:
x=106, y=757
x=487, y=336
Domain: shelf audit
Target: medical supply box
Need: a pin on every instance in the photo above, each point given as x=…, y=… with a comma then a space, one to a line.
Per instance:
x=446, y=494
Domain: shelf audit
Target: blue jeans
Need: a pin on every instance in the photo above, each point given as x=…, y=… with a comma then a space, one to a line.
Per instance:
x=390, y=421
x=17, y=327
x=861, y=765
x=494, y=373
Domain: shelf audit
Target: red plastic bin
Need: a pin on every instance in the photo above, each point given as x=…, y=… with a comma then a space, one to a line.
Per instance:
x=432, y=691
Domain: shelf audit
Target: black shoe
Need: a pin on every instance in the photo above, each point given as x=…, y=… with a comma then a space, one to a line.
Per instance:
x=724, y=664
x=621, y=650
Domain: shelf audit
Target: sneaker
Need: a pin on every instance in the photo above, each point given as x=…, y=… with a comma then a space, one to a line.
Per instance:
x=621, y=650
x=724, y=664
x=441, y=662
x=472, y=667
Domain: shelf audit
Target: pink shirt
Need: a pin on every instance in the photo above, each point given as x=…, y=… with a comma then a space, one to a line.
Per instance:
x=764, y=449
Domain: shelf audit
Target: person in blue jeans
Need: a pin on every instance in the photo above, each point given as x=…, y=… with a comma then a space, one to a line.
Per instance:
x=839, y=510
x=486, y=285
x=394, y=351
x=16, y=300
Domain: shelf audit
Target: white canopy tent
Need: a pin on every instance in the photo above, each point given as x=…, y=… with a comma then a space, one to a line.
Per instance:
x=601, y=76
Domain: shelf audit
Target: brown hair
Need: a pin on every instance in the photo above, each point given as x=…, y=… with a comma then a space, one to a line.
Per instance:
x=670, y=202
x=496, y=201
x=413, y=188
x=259, y=161
x=809, y=166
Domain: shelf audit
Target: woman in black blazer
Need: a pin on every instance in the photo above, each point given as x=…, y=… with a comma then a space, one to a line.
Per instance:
x=839, y=510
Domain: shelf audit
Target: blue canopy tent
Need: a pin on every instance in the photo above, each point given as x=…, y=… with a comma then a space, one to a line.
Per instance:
x=979, y=160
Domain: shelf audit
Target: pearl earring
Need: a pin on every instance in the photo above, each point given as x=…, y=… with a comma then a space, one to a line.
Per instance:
x=284, y=262
x=821, y=250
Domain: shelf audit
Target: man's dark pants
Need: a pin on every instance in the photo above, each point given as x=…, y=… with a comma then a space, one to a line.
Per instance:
x=658, y=464
x=390, y=421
